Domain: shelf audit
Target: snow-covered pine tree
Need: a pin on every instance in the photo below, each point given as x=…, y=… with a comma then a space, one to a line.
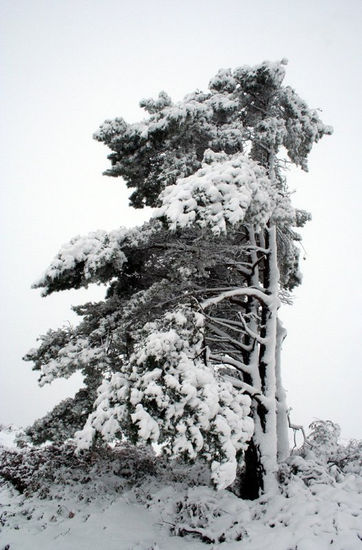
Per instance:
x=184, y=351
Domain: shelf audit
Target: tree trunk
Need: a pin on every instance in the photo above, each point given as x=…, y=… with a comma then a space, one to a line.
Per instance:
x=282, y=409
x=261, y=456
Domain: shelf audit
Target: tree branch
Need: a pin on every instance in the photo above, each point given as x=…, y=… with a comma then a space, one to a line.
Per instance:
x=227, y=338
x=251, y=333
x=238, y=365
x=266, y=299
x=248, y=389
x=295, y=428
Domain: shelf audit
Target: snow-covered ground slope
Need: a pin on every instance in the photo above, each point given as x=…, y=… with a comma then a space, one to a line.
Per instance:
x=126, y=499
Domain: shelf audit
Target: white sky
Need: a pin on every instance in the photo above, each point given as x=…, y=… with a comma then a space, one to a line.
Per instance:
x=67, y=66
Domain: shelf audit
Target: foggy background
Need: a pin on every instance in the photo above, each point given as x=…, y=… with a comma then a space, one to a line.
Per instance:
x=67, y=66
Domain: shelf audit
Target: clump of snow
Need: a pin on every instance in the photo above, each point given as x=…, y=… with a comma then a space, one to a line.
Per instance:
x=226, y=190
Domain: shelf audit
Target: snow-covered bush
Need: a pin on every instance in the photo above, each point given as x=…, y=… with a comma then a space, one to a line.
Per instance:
x=322, y=441
x=55, y=495
x=350, y=457
x=45, y=470
x=213, y=518
x=322, y=459
x=323, y=446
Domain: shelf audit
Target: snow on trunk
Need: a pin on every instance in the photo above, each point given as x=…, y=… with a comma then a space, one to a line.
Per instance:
x=282, y=409
x=265, y=436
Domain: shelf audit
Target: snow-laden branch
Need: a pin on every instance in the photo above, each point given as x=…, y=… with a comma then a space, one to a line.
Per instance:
x=225, y=337
x=235, y=326
x=227, y=360
x=92, y=258
x=267, y=300
x=250, y=390
x=251, y=333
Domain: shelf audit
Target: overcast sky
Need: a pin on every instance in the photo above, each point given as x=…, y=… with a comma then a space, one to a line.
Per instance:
x=68, y=65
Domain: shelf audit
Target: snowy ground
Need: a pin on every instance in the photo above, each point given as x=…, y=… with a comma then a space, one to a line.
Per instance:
x=115, y=507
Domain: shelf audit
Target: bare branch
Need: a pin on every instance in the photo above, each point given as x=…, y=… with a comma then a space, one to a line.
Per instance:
x=296, y=428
